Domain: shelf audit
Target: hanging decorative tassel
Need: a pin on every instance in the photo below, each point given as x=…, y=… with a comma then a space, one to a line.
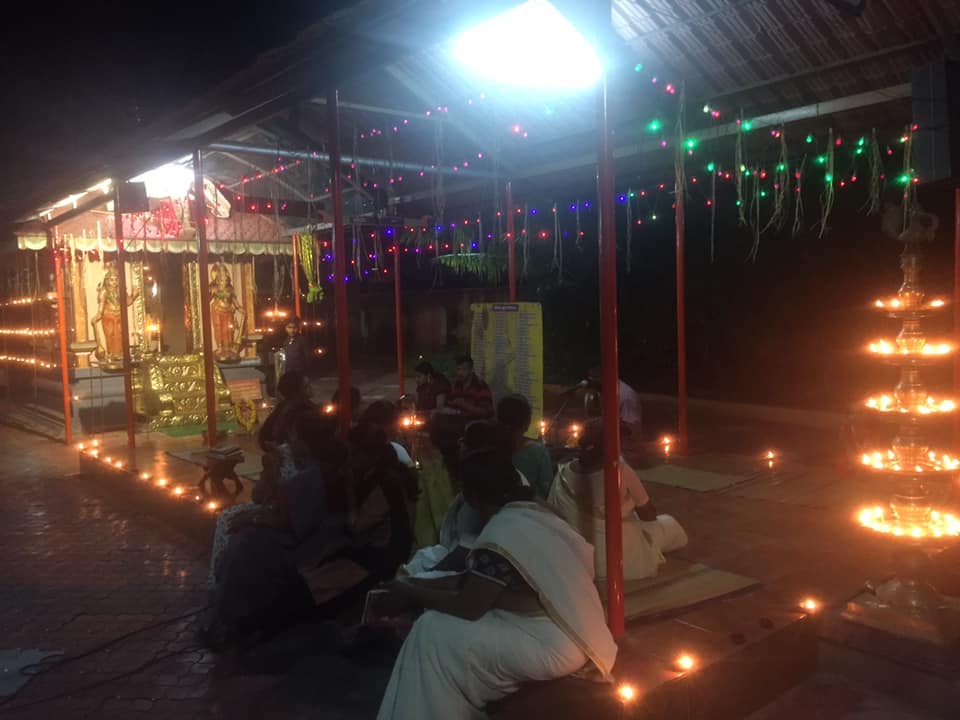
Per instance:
x=739, y=170
x=755, y=217
x=578, y=230
x=906, y=177
x=525, y=240
x=827, y=196
x=875, y=188
x=781, y=186
x=557, y=245
x=798, y=203
x=713, y=212
x=308, y=260
x=629, y=229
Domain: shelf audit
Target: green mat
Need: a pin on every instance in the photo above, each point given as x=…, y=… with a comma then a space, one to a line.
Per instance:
x=678, y=585
x=692, y=478
x=188, y=430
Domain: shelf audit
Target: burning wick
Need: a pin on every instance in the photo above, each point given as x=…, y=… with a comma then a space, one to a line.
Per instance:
x=770, y=456
x=162, y=482
x=685, y=662
x=667, y=442
x=178, y=490
x=144, y=476
x=329, y=408
x=626, y=693
x=212, y=506
x=543, y=428
x=809, y=605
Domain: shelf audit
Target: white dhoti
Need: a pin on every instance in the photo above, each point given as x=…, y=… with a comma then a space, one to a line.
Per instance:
x=452, y=668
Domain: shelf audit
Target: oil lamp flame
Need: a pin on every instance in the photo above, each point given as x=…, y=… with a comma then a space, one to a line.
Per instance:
x=626, y=693
x=886, y=347
x=329, y=408
x=938, y=525
x=685, y=662
x=809, y=605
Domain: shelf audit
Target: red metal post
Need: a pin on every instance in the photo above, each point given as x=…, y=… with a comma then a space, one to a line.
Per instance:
x=339, y=260
x=511, y=245
x=956, y=310
x=296, y=276
x=203, y=263
x=399, y=315
x=610, y=371
x=124, y=328
x=683, y=438
x=62, y=333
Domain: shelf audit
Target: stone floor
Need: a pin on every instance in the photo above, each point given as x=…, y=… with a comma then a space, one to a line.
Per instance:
x=82, y=567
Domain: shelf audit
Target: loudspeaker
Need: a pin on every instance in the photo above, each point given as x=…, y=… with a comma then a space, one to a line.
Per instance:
x=133, y=197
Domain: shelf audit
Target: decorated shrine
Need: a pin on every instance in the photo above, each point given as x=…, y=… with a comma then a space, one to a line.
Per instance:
x=159, y=316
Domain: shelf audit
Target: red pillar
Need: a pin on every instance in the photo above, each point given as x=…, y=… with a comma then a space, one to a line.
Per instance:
x=956, y=310
x=399, y=315
x=62, y=333
x=511, y=245
x=124, y=329
x=682, y=439
x=203, y=263
x=610, y=371
x=339, y=260
x=296, y=275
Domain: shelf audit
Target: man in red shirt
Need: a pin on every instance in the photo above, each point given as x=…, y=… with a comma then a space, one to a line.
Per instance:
x=470, y=397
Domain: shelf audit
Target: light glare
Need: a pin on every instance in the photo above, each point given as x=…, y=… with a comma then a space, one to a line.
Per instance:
x=530, y=46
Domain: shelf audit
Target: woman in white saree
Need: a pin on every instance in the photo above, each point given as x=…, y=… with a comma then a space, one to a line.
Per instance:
x=524, y=608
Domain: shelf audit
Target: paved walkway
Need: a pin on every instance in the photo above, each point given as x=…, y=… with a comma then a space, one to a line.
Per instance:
x=78, y=571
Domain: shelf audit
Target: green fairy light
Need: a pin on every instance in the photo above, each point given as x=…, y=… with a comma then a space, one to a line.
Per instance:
x=743, y=168
x=747, y=125
x=828, y=177
x=861, y=142
x=903, y=179
x=821, y=159
x=711, y=167
x=809, y=139
x=654, y=126
x=858, y=151
x=763, y=193
x=632, y=194
x=739, y=203
x=781, y=167
x=747, y=173
x=690, y=143
x=638, y=67
x=653, y=217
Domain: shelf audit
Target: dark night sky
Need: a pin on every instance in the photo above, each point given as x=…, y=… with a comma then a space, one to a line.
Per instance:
x=84, y=74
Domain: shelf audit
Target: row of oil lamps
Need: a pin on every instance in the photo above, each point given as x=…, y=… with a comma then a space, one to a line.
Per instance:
x=686, y=662
x=94, y=451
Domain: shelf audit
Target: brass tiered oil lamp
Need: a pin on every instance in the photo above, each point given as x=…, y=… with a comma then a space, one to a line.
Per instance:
x=907, y=604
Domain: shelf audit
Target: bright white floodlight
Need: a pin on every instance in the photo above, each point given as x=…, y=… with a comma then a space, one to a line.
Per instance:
x=171, y=180
x=531, y=46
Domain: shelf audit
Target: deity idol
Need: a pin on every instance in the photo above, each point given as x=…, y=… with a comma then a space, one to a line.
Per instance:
x=226, y=315
x=110, y=338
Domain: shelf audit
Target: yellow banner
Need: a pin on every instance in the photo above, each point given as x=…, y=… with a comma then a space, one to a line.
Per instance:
x=506, y=343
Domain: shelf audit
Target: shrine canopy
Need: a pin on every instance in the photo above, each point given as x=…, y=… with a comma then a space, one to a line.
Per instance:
x=158, y=217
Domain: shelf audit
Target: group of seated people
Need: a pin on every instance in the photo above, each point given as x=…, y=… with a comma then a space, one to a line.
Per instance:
x=486, y=559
